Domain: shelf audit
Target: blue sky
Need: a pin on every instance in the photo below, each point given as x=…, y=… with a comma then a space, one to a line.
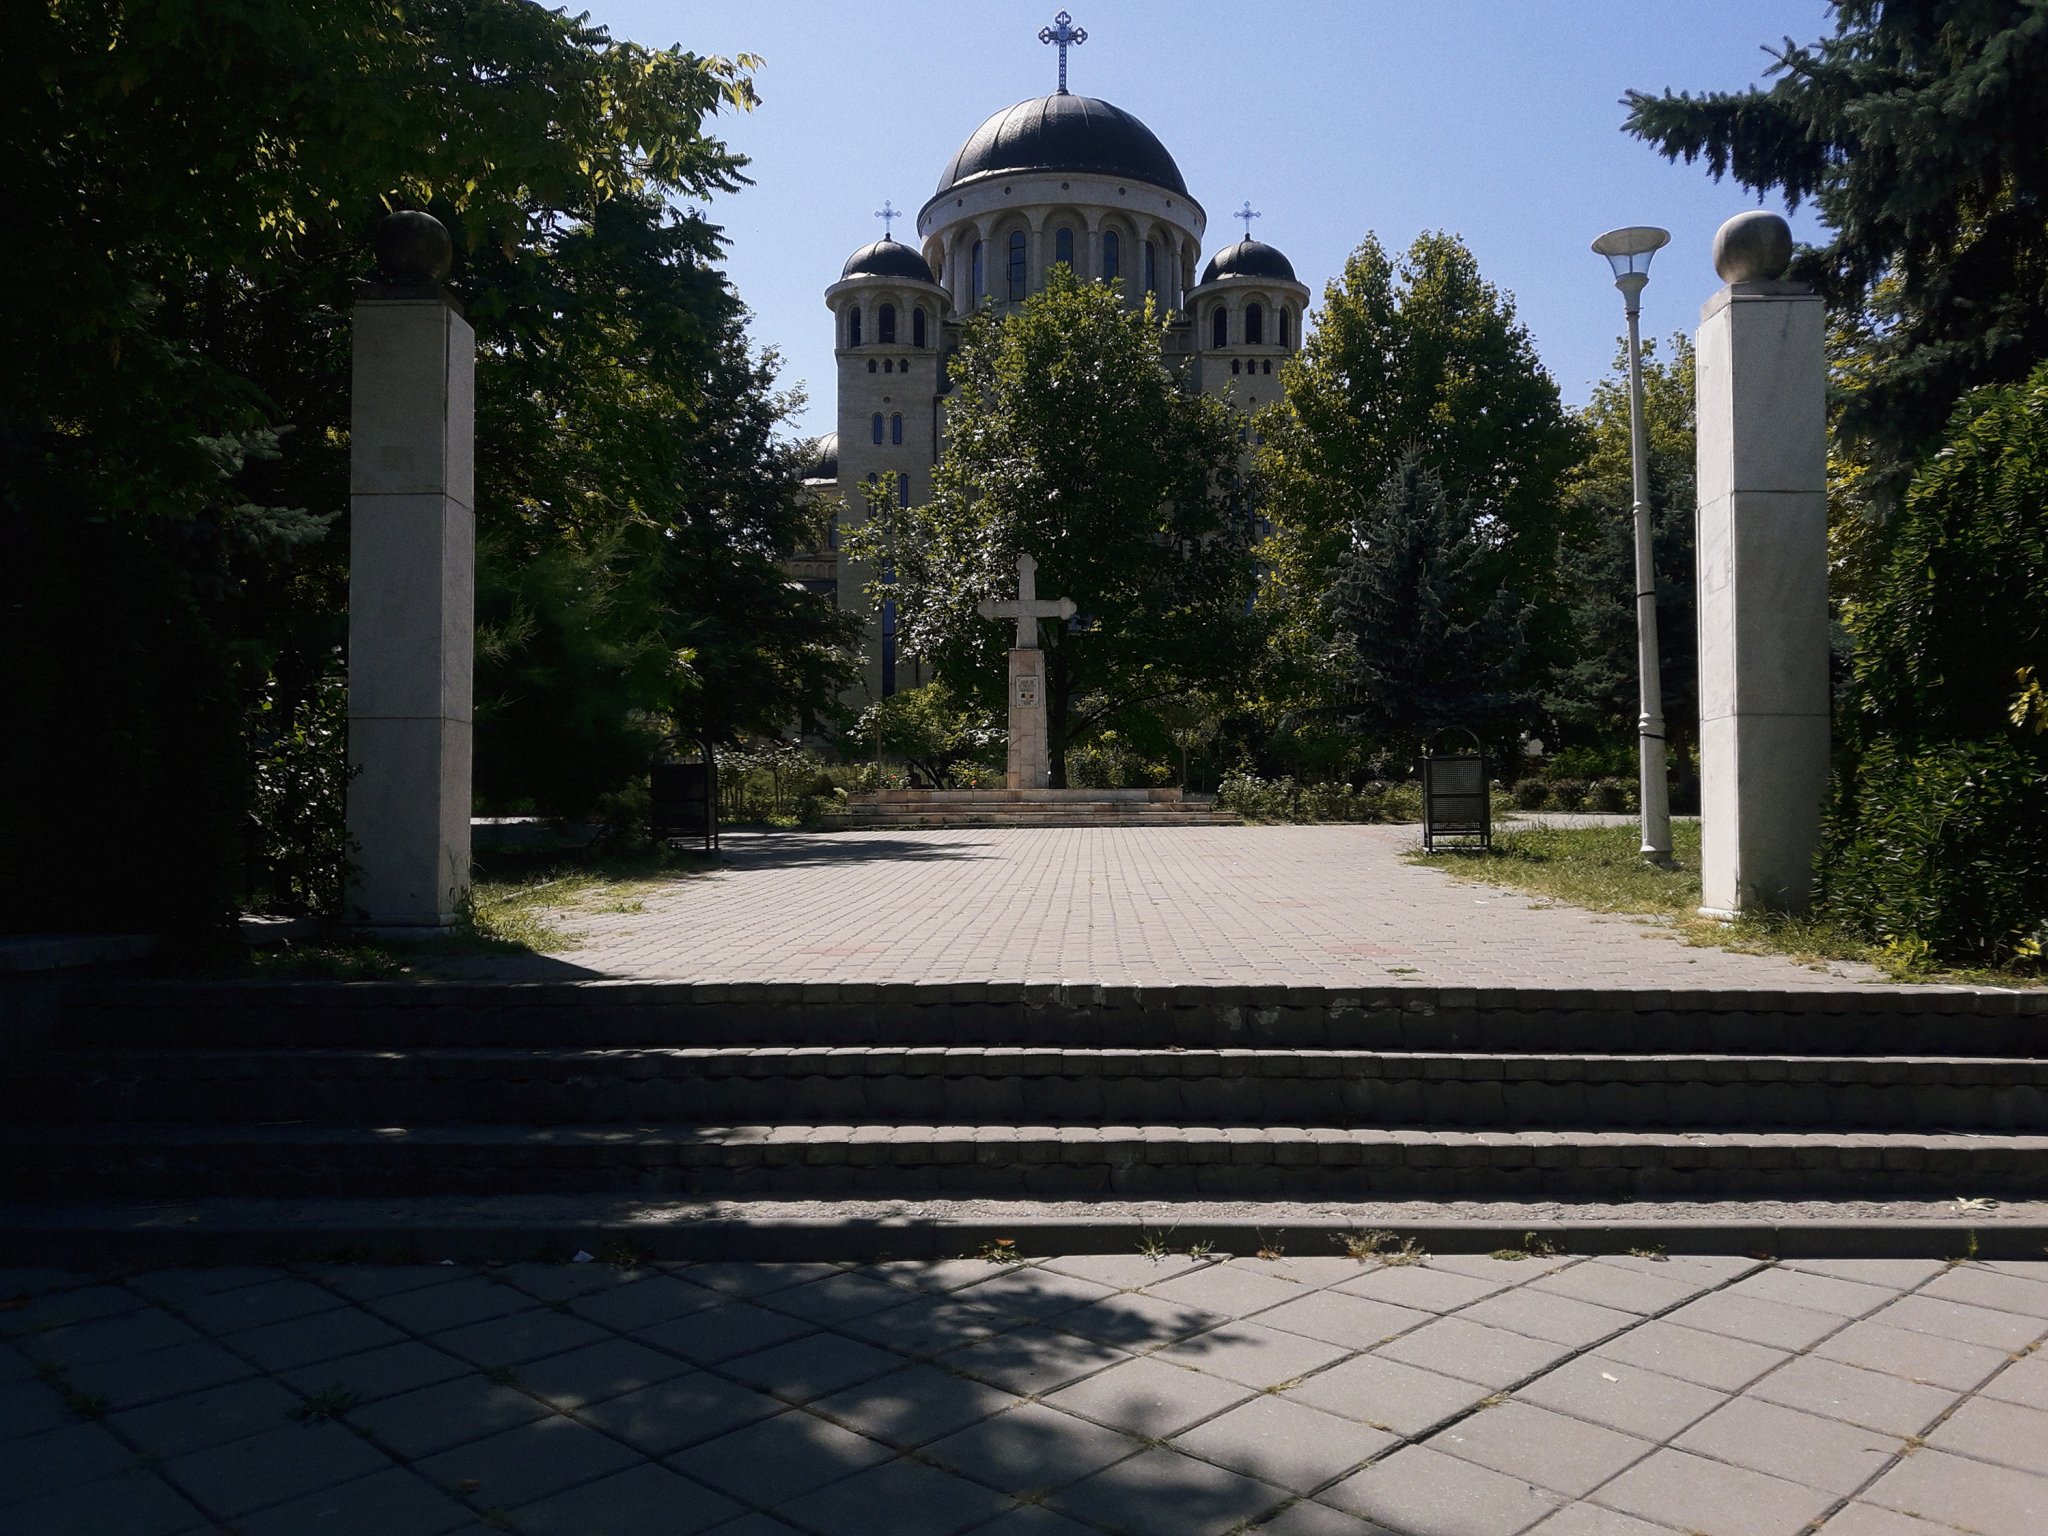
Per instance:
x=1497, y=121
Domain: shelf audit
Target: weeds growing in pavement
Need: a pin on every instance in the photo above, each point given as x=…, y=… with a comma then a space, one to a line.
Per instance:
x=1384, y=1246
x=1000, y=1250
x=321, y=1406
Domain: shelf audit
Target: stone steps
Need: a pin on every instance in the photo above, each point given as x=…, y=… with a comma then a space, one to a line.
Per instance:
x=1040, y=1085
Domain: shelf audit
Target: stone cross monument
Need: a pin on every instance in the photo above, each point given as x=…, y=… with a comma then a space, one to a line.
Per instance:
x=1030, y=762
x=412, y=565
x=1763, y=575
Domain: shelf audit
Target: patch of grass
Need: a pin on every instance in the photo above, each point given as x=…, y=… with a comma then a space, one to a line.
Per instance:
x=1384, y=1246
x=1533, y=1246
x=999, y=1250
x=1654, y=1252
x=1153, y=1245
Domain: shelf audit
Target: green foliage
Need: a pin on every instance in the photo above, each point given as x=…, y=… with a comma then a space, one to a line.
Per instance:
x=298, y=794
x=1068, y=441
x=1283, y=800
x=1916, y=131
x=926, y=729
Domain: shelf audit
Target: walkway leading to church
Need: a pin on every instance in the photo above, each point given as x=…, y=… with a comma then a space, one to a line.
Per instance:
x=1302, y=906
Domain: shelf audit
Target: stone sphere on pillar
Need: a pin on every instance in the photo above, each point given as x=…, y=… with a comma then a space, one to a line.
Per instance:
x=413, y=249
x=1753, y=247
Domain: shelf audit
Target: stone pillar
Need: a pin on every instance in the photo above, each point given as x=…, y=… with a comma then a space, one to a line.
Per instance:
x=1030, y=761
x=412, y=564
x=1763, y=603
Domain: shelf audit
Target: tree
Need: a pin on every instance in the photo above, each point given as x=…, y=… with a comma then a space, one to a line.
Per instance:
x=1425, y=636
x=1915, y=130
x=1418, y=355
x=1068, y=440
x=1593, y=694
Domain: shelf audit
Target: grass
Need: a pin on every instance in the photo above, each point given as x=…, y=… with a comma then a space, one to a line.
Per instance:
x=1603, y=870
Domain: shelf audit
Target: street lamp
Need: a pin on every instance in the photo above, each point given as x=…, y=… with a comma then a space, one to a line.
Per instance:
x=1629, y=251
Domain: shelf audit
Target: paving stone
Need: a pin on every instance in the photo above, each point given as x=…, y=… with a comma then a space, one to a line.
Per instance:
x=668, y=1415
x=512, y=1341
x=1707, y=1268
x=1888, y=1404
x=36, y=1279
x=1336, y=1318
x=1551, y=1450
x=779, y=1459
x=159, y=1374
x=1958, y=1320
x=900, y=1498
x=2022, y=1381
x=756, y=1525
x=1032, y=1360
x=1033, y=1295
x=1870, y=1520
x=1815, y=1293
x=283, y=1463
x=439, y=1308
x=362, y=1282
x=749, y=1280
x=77, y=1304
x=1252, y=1354
x=1421, y=1492
x=309, y=1340
x=394, y=1502
x=1312, y=1270
x=570, y=1281
x=1592, y=1520
x=1978, y=1287
x=378, y=1373
x=1542, y=1315
x=1996, y=1431
x=133, y=1503
x=1284, y=1442
x=431, y=1419
x=1148, y=1398
x=1979, y=1497
x=1896, y=1274
x=1031, y=1449
x=110, y=1338
x=1624, y=1289
x=59, y=1458
x=1799, y=1447
x=1622, y=1396
x=527, y=1463
x=28, y=1407
x=655, y=1299
x=928, y=1325
x=1756, y=1320
x=809, y=1368
x=1915, y=1356
x=1710, y=1360
x=1519, y=1270
x=1226, y=1289
x=836, y=1298
x=1387, y=1395
x=738, y=1328
x=1492, y=1357
x=1419, y=1287
x=935, y=1276
x=1135, y=1322
x=212, y=1417
x=180, y=1286
x=911, y=1406
x=1308, y=1518
x=1123, y=1271
x=1033, y=1520
x=596, y=1372
x=1163, y=1493
x=1692, y=1494
x=252, y=1306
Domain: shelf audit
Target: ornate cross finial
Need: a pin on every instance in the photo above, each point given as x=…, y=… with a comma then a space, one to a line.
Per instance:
x=888, y=213
x=1063, y=34
x=1247, y=215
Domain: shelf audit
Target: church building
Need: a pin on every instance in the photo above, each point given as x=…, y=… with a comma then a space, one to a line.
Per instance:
x=1056, y=179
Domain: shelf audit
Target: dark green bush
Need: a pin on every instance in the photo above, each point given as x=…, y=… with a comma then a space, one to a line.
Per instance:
x=1530, y=794
x=1568, y=794
x=1612, y=796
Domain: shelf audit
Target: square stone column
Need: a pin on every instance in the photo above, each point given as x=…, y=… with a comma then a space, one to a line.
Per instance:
x=1030, y=764
x=411, y=621
x=1763, y=599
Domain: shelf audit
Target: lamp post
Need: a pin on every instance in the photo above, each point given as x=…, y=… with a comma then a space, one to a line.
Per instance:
x=1629, y=251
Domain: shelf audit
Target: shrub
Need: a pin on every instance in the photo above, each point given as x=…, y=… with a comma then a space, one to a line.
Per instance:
x=1530, y=794
x=1568, y=794
x=1612, y=796
x=1401, y=802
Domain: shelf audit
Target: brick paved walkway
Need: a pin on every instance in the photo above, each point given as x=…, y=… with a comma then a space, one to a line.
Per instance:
x=1304, y=905
x=1461, y=1396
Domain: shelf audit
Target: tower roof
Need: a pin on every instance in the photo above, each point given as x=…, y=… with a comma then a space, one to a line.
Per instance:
x=1064, y=133
x=887, y=258
x=1249, y=258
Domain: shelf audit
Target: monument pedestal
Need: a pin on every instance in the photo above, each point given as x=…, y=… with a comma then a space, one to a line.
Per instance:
x=1030, y=761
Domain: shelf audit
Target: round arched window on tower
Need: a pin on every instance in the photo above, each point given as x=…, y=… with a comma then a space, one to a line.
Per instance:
x=885, y=325
x=1254, y=325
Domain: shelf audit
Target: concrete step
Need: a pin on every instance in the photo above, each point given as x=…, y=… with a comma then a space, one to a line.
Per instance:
x=125, y=1160
x=1009, y=1085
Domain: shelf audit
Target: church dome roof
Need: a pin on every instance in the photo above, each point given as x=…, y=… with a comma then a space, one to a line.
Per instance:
x=1064, y=133
x=886, y=258
x=824, y=463
x=1249, y=258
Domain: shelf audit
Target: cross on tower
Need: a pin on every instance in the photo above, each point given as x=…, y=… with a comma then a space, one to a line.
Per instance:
x=888, y=213
x=1027, y=610
x=1247, y=215
x=1063, y=34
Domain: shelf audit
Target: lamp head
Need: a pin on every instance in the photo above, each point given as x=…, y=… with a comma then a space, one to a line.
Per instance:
x=1629, y=251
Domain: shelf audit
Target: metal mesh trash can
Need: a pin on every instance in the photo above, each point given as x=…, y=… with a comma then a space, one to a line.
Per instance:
x=1455, y=801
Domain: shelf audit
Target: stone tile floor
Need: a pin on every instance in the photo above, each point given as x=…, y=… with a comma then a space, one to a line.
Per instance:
x=1326, y=905
x=1455, y=1395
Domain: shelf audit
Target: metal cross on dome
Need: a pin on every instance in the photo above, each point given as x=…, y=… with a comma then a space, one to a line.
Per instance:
x=888, y=213
x=1063, y=34
x=1247, y=215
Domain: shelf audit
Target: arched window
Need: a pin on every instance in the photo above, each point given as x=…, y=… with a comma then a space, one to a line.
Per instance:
x=873, y=478
x=1017, y=266
x=878, y=426
x=1266, y=366
x=888, y=365
x=1286, y=326
x=872, y=365
x=903, y=490
x=1219, y=327
x=1235, y=367
x=853, y=326
x=1112, y=257
x=1254, y=325
x=885, y=325
x=896, y=428
x=1151, y=267
x=1063, y=246
x=978, y=276
x=917, y=332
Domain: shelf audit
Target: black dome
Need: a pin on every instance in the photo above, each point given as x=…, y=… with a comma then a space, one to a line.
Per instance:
x=886, y=258
x=1248, y=258
x=1064, y=133
x=824, y=463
